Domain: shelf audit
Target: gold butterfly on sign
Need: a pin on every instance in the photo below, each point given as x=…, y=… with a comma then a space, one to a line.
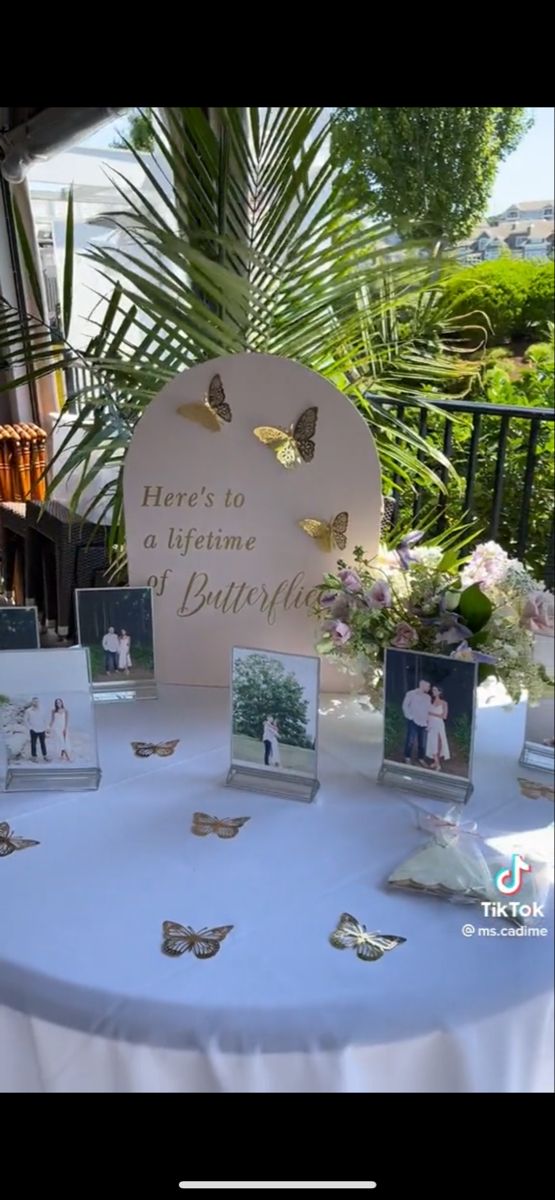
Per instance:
x=162, y=749
x=223, y=827
x=351, y=935
x=181, y=939
x=329, y=535
x=213, y=411
x=535, y=791
x=9, y=842
x=291, y=446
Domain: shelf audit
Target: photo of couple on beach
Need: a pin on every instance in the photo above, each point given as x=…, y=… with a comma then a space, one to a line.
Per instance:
x=275, y=711
x=429, y=712
x=48, y=730
x=46, y=710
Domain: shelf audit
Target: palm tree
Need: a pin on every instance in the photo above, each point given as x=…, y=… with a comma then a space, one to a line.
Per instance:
x=243, y=243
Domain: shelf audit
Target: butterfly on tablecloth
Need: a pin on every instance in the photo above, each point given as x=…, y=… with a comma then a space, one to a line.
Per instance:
x=162, y=749
x=214, y=409
x=223, y=827
x=329, y=534
x=181, y=939
x=351, y=935
x=291, y=446
x=9, y=842
x=533, y=790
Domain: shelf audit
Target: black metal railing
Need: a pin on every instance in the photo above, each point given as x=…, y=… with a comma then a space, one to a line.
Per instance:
x=481, y=460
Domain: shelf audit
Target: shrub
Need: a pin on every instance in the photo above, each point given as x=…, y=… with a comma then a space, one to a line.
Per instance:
x=534, y=388
x=516, y=297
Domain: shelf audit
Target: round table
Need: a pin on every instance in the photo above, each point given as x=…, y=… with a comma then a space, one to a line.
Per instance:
x=89, y=1002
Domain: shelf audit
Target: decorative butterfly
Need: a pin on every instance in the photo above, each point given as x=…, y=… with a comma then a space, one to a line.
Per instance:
x=214, y=409
x=295, y=445
x=181, y=939
x=9, y=842
x=351, y=935
x=533, y=790
x=327, y=534
x=223, y=827
x=162, y=749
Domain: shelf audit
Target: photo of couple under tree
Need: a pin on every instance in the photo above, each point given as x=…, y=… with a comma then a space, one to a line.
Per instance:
x=273, y=712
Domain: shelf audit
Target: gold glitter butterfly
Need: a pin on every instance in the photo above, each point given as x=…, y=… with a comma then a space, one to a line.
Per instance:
x=223, y=827
x=162, y=749
x=351, y=935
x=295, y=445
x=533, y=790
x=9, y=842
x=328, y=535
x=181, y=939
x=213, y=411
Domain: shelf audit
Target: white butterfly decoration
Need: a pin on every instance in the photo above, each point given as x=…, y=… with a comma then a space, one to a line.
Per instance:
x=351, y=935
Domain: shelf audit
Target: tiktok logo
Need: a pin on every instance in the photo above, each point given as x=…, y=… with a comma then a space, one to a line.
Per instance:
x=508, y=880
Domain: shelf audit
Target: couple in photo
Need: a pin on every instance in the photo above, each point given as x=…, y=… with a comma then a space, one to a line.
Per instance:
x=55, y=727
x=117, y=651
x=270, y=733
x=426, y=711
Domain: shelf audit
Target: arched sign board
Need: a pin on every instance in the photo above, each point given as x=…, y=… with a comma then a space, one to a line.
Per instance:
x=212, y=517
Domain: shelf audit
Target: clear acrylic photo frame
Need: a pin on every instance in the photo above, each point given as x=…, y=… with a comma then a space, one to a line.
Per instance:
x=288, y=786
x=30, y=608
x=105, y=692
x=537, y=755
x=454, y=789
x=40, y=778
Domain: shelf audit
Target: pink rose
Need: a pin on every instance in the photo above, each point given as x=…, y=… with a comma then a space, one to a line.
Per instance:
x=405, y=636
x=350, y=580
x=379, y=595
x=538, y=614
x=341, y=633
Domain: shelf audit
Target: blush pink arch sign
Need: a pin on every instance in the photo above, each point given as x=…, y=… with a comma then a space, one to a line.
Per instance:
x=212, y=518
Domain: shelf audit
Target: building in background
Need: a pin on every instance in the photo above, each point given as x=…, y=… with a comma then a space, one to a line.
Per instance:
x=95, y=195
x=524, y=231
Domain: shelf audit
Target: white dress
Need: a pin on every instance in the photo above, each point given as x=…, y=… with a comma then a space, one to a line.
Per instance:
x=436, y=742
x=124, y=657
x=59, y=741
x=275, y=746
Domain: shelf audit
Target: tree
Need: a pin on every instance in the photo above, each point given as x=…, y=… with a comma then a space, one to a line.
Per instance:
x=428, y=169
x=139, y=132
x=262, y=687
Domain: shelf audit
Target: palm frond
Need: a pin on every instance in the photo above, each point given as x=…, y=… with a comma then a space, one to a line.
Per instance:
x=240, y=241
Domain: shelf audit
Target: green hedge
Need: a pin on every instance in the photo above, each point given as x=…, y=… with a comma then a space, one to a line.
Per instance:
x=534, y=389
x=516, y=296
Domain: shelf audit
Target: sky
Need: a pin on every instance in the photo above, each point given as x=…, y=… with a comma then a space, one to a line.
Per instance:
x=526, y=175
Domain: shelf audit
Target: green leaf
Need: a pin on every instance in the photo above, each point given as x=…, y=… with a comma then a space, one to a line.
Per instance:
x=68, y=264
x=448, y=563
x=475, y=608
x=28, y=259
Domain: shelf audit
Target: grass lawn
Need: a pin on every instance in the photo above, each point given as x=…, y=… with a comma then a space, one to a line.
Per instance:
x=293, y=758
x=141, y=657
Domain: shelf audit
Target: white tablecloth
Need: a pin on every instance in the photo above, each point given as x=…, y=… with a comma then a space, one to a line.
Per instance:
x=89, y=1002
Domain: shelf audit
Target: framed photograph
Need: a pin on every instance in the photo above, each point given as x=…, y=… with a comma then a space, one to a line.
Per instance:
x=429, y=711
x=47, y=720
x=539, y=743
x=116, y=626
x=19, y=628
x=274, y=722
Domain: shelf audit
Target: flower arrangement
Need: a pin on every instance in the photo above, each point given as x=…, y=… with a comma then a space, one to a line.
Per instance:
x=485, y=609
